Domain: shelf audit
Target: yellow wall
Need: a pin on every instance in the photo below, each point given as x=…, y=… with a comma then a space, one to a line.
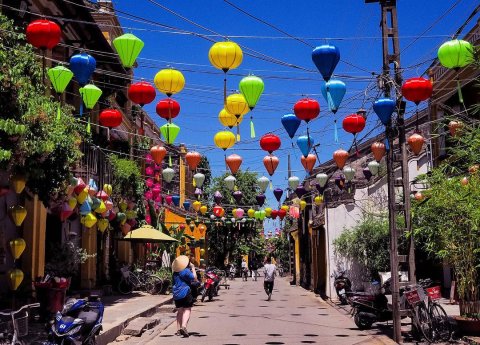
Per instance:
x=88, y=275
x=297, y=255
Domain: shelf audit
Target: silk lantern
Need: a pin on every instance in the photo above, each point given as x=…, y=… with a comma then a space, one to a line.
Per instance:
x=260, y=199
x=15, y=278
x=349, y=173
x=141, y=93
x=110, y=118
x=158, y=153
x=128, y=47
x=416, y=141
x=263, y=183
x=89, y=220
x=176, y=200
x=90, y=95
x=326, y=58
x=374, y=166
x=417, y=90
x=196, y=205
x=168, y=109
x=193, y=158
x=170, y=132
x=218, y=211
x=60, y=77
x=18, y=183
x=82, y=65
x=333, y=91
x=229, y=120
x=224, y=140
x=384, y=108
x=102, y=225
x=305, y=144
x=233, y=162
x=203, y=209
x=454, y=127
x=217, y=197
x=306, y=109
x=18, y=214
x=43, y=34
x=321, y=179
x=378, y=150
x=251, y=213
x=251, y=88
x=17, y=246
x=268, y=212
x=199, y=179
x=293, y=182
x=169, y=81
x=308, y=162
x=239, y=213
x=340, y=157
x=186, y=205
x=318, y=200
x=107, y=188
x=353, y=123
x=168, y=174
x=270, y=142
x=367, y=173
x=230, y=182
x=237, y=105
x=278, y=192
x=291, y=123
x=271, y=163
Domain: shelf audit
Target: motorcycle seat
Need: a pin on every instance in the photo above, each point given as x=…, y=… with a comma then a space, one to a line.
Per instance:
x=89, y=317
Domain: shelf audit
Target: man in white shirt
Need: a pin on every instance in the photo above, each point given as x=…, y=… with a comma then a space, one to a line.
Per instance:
x=269, y=274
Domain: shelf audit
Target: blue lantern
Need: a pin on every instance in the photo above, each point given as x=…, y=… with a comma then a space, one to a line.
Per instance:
x=333, y=92
x=82, y=65
x=305, y=144
x=384, y=108
x=186, y=205
x=85, y=208
x=176, y=200
x=291, y=123
x=326, y=58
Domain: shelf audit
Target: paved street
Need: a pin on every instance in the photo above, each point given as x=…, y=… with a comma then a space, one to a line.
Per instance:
x=242, y=315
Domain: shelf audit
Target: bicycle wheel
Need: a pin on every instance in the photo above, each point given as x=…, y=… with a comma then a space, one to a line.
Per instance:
x=135, y=281
x=124, y=287
x=424, y=323
x=441, y=323
x=153, y=284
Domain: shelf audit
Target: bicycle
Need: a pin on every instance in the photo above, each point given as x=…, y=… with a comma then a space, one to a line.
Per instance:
x=143, y=281
x=440, y=321
x=419, y=313
x=15, y=327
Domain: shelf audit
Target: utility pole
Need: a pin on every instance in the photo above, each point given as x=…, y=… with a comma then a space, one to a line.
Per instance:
x=392, y=76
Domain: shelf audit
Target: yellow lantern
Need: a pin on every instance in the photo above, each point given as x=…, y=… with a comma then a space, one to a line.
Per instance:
x=18, y=214
x=268, y=211
x=82, y=196
x=17, y=246
x=229, y=120
x=122, y=205
x=131, y=214
x=203, y=209
x=202, y=252
x=72, y=202
x=224, y=140
x=285, y=208
x=225, y=55
x=202, y=228
x=237, y=105
x=318, y=200
x=303, y=204
x=89, y=220
x=196, y=205
x=169, y=81
x=102, y=225
x=18, y=183
x=101, y=208
x=15, y=278
x=251, y=213
x=107, y=188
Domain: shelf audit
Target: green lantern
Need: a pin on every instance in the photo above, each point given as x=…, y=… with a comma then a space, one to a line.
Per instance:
x=90, y=95
x=60, y=77
x=128, y=47
x=455, y=54
x=251, y=88
x=170, y=132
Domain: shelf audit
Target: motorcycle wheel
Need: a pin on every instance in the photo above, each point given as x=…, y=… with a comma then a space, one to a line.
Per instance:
x=90, y=341
x=210, y=295
x=204, y=294
x=362, y=322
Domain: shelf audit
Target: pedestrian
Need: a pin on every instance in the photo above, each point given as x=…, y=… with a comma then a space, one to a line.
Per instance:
x=269, y=274
x=244, y=270
x=255, y=269
x=184, y=275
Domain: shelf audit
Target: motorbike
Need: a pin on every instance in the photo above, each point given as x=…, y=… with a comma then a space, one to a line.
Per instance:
x=79, y=322
x=370, y=308
x=210, y=287
x=343, y=286
x=232, y=272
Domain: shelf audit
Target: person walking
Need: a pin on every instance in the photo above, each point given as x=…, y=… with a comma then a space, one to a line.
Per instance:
x=269, y=274
x=244, y=270
x=184, y=275
x=254, y=269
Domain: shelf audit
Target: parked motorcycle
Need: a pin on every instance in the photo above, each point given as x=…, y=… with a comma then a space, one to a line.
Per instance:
x=78, y=323
x=211, y=285
x=232, y=272
x=370, y=308
x=343, y=286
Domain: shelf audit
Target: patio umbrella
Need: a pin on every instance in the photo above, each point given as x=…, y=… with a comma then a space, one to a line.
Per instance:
x=147, y=234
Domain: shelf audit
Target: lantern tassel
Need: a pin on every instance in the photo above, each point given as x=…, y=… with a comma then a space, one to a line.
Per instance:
x=271, y=185
x=335, y=133
x=238, y=133
x=225, y=90
x=88, y=126
x=252, y=128
x=194, y=183
x=459, y=88
x=170, y=160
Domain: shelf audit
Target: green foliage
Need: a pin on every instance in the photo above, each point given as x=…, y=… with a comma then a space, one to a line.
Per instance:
x=65, y=259
x=367, y=244
x=32, y=141
x=280, y=251
x=246, y=183
x=127, y=178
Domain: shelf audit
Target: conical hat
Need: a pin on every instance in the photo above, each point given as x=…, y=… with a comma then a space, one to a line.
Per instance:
x=180, y=263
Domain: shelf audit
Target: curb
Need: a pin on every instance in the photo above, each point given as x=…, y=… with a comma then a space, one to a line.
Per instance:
x=111, y=334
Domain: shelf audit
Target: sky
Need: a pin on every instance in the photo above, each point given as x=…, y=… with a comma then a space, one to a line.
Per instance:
x=352, y=26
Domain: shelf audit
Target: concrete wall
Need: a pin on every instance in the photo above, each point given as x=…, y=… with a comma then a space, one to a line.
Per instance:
x=372, y=199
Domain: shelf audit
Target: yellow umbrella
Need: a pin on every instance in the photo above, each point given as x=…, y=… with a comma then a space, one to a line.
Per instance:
x=147, y=234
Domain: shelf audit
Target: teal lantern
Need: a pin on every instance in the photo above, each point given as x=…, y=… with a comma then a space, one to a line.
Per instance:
x=60, y=78
x=90, y=96
x=128, y=47
x=170, y=132
x=251, y=88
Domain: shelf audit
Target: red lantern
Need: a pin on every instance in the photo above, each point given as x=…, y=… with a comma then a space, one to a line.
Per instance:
x=270, y=142
x=306, y=109
x=271, y=164
x=218, y=211
x=416, y=141
x=158, y=153
x=234, y=161
x=417, y=89
x=281, y=214
x=110, y=118
x=43, y=34
x=378, y=150
x=274, y=214
x=354, y=123
x=141, y=93
x=168, y=108
x=340, y=157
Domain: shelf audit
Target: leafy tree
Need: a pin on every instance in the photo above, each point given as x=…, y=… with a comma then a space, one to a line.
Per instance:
x=280, y=249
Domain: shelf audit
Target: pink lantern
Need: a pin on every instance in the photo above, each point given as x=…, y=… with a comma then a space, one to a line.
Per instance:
x=108, y=204
x=148, y=158
x=148, y=195
x=294, y=212
x=239, y=213
x=149, y=182
x=157, y=188
x=102, y=195
x=158, y=199
x=148, y=219
x=149, y=171
x=168, y=199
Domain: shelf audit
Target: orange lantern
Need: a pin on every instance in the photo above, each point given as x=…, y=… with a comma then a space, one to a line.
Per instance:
x=193, y=158
x=309, y=162
x=378, y=150
x=473, y=169
x=454, y=127
x=416, y=141
x=234, y=161
x=158, y=153
x=340, y=157
x=464, y=181
x=419, y=196
x=271, y=163
x=202, y=228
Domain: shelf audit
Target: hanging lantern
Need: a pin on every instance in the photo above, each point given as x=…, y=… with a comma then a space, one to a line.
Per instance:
x=17, y=246
x=309, y=162
x=374, y=166
x=101, y=208
x=229, y=120
x=85, y=208
x=263, y=183
x=199, y=179
x=108, y=205
x=15, y=278
x=82, y=65
x=378, y=150
x=305, y=144
x=271, y=163
x=326, y=58
x=168, y=174
x=384, y=108
x=65, y=211
x=303, y=204
x=333, y=91
x=260, y=199
x=102, y=195
x=110, y=118
x=193, y=158
x=454, y=127
x=107, y=188
x=89, y=220
x=300, y=191
x=102, y=225
x=43, y=34
x=322, y=179
x=274, y=214
x=224, y=140
x=268, y=212
x=203, y=209
x=237, y=105
x=278, y=192
x=416, y=141
x=141, y=93
x=340, y=157
x=456, y=54
x=186, y=205
x=168, y=109
x=169, y=81
x=18, y=214
x=217, y=197
x=128, y=47
x=72, y=202
x=318, y=200
x=251, y=88
x=202, y=228
x=90, y=95
x=168, y=199
x=367, y=173
x=158, y=153
x=419, y=196
x=170, y=132
x=225, y=55
x=149, y=171
x=60, y=77
x=353, y=123
x=196, y=205
x=306, y=109
x=349, y=173
x=230, y=182
x=233, y=162
x=251, y=213
x=270, y=142
x=293, y=182
x=18, y=183
x=417, y=90
x=291, y=123
x=237, y=195
x=82, y=196
x=218, y=211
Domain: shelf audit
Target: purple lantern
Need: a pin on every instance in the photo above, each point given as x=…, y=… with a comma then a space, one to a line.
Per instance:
x=237, y=195
x=198, y=193
x=320, y=188
x=340, y=181
x=149, y=182
x=217, y=197
x=300, y=191
x=278, y=192
x=367, y=173
x=260, y=199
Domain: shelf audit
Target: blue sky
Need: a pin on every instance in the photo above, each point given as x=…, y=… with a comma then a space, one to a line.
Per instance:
x=351, y=25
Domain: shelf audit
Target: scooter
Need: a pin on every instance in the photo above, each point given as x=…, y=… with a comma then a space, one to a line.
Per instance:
x=209, y=286
x=343, y=286
x=368, y=308
x=78, y=323
x=216, y=279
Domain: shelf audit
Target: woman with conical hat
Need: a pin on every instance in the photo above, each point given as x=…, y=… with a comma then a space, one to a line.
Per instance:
x=183, y=276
